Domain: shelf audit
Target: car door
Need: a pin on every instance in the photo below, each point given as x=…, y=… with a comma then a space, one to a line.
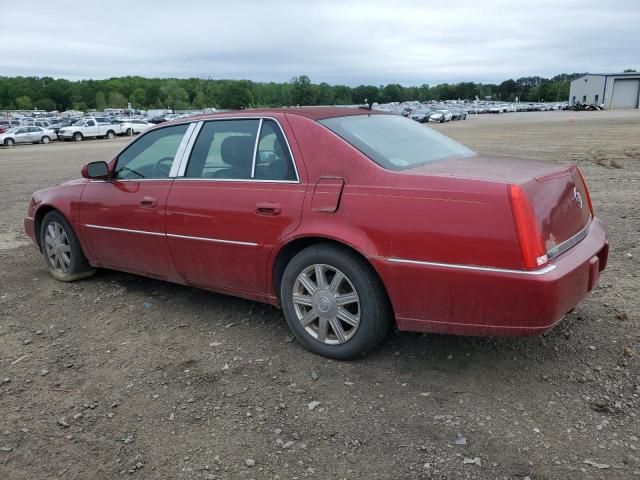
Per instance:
x=22, y=135
x=91, y=128
x=233, y=199
x=36, y=134
x=123, y=218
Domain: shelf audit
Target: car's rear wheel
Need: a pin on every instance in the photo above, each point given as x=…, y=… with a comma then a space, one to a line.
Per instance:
x=9, y=142
x=334, y=302
x=110, y=134
x=61, y=249
x=77, y=137
x=129, y=132
x=45, y=140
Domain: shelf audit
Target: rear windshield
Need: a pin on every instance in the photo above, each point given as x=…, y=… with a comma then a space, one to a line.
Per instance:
x=395, y=142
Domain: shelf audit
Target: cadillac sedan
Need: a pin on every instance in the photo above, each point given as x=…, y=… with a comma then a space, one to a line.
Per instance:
x=352, y=221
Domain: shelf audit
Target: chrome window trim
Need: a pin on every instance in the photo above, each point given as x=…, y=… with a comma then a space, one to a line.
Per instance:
x=234, y=180
x=127, y=230
x=177, y=159
x=255, y=150
x=540, y=271
x=570, y=242
x=189, y=150
x=214, y=240
x=182, y=167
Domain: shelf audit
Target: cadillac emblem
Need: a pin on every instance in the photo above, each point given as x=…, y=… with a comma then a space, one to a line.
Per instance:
x=577, y=196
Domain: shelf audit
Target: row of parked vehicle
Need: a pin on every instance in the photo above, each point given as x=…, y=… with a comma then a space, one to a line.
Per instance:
x=459, y=110
x=77, y=129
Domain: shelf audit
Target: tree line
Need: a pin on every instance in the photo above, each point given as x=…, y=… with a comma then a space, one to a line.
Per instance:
x=46, y=93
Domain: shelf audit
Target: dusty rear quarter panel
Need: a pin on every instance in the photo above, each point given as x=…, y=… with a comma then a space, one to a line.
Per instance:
x=404, y=215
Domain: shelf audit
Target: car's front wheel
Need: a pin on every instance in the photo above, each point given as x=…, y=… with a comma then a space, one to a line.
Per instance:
x=61, y=249
x=334, y=302
x=45, y=140
x=9, y=142
x=77, y=137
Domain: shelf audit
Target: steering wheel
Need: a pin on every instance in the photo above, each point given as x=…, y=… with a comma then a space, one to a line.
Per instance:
x=162, y=168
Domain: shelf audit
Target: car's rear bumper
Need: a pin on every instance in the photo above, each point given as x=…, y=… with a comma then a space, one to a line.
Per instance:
x=466, y=300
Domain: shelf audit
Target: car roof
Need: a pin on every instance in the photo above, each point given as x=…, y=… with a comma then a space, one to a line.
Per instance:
x=313, y=113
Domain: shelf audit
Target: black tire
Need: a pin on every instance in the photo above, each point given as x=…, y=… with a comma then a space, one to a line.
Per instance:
x=78, y=267
x=129, y=132
x=374, y=310
x=77, y=137
x=9, y=142
x=45, y=140
x=110, y=134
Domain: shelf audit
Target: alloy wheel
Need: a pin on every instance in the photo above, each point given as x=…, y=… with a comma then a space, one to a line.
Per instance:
x=326, y=304
x=57, y=247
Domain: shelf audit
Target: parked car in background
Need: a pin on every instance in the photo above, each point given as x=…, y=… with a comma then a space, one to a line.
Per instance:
x=39, y=123
x=63, y=123
x=458, y=115
x=133, y=126
x=440, y=116
x=89, y=128
x=26, y=134
x=421, y=116
x=352, y=221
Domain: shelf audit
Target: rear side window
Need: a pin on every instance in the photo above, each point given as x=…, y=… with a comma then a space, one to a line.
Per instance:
x=273, y=160
x=152, y=155
x=224, y=149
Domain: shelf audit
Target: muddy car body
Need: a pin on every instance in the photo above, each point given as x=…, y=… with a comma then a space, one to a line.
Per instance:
x=352, y=221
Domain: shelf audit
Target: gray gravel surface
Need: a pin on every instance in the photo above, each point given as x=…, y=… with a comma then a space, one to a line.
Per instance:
x=120, y=376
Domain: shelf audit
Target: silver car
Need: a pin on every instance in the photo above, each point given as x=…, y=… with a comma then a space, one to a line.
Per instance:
x=26, y=134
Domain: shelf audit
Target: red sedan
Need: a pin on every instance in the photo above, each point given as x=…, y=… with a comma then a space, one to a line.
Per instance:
x=352, y=221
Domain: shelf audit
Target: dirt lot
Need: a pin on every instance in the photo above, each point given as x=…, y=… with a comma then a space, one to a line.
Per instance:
x=123, y=377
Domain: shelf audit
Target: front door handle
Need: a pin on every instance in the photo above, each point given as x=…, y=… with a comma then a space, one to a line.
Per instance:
x=268, y=208
x=148, y=202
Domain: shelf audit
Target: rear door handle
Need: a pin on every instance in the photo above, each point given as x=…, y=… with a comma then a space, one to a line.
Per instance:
x=268, y=208
x=148, y=202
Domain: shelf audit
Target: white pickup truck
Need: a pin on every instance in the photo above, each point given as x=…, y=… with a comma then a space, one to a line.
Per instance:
x=89, y=128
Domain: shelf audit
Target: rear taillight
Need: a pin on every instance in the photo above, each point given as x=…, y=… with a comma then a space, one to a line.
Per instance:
x=529, y=235
x=586, y=192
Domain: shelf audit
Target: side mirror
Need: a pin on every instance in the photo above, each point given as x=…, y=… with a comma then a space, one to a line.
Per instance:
x=96, y=170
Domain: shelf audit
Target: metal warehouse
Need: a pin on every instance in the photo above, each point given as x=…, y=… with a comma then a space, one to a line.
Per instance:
x=613, y=90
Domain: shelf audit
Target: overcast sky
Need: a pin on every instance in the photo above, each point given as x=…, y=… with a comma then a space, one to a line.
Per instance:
x=347, y=42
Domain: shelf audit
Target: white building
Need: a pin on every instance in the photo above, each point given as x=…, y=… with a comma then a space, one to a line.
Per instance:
x=613, y=90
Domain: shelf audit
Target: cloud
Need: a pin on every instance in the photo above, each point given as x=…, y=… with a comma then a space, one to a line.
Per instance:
x=348, y=42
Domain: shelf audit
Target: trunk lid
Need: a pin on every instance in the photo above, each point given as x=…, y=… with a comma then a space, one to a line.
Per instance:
x=557, y=194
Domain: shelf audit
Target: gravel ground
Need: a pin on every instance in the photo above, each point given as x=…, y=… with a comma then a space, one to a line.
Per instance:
x=120, y=376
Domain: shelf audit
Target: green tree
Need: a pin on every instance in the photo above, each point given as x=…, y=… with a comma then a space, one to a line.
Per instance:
x=100, y=101
x=302, y=92
x=45, y=104
x=236, y=95
x=138, y=98
x=117, y=100
x=629, y=70
x=24, y=102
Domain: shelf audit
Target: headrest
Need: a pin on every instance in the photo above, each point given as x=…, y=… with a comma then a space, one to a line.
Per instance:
x=237, y=151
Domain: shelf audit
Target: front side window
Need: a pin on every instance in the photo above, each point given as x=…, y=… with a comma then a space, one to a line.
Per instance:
x=395, y=142
x=152, y=155
x=224, y=149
